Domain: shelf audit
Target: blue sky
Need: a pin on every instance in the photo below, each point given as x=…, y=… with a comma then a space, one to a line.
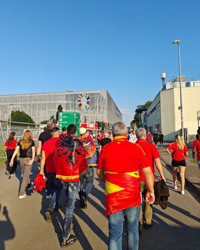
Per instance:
x=118, y=45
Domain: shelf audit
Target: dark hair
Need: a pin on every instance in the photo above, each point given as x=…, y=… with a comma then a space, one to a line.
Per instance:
x=198, y=131
x=71, y=129
x=55, y=129
x=11, y=138
x=64, y=129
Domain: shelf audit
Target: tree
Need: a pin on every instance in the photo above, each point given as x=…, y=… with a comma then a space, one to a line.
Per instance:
x=21, y=116
x=101, y=125
x=44, y=122
x=52, y=118
x=59, y=109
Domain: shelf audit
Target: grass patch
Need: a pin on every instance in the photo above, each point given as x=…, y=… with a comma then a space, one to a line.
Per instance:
x=3, y=160
x=194, y=161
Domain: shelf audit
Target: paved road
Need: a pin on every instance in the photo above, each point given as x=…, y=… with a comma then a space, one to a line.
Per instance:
x=23, y=225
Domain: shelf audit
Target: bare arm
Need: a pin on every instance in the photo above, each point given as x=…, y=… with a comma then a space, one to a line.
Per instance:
x=159, y=168
x=168, y=151
x=42, y=163
x=13, y=156
x=100, y=148
x=150, y=196
x=39, y=147
x=101, y=174
x=33, y=156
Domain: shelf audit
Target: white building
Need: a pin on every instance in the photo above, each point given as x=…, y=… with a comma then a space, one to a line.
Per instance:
x=164, y=113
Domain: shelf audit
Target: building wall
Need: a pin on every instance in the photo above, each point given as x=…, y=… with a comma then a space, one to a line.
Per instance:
x=153, y=114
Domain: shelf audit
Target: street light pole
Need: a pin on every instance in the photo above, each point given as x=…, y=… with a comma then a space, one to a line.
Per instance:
x=181, y=103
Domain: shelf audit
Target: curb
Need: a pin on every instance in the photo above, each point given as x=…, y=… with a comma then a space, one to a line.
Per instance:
x=187, y=182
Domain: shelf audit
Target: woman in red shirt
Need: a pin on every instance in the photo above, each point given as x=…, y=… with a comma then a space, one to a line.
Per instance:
x=178, y=150
x=10, y=146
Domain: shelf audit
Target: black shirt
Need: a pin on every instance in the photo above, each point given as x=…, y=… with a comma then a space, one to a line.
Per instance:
x=24, y=153
x=105, y=141
x=45, y=136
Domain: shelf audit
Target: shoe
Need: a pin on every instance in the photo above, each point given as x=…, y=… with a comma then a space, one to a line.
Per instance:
x=31, y=173
x=147, y=226
x=22, y=175
x=48, y=196
x=6, y=172
x=49, y=216
x=22, y=196
x=58, y=206
x=71, y=240
x=30, y=186
x=182, y=192
x=83, y=203
x=174, y=187
x=140, y=228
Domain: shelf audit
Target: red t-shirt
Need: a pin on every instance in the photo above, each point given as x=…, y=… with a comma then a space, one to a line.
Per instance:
x=100, y=136
x=177, y=154
x=49, y=149
x=13, y=145
x=121, y=161
x=196, y=145
x=151, y=153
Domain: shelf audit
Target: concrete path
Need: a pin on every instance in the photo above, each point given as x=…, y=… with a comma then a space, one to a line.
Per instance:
x=23, y=225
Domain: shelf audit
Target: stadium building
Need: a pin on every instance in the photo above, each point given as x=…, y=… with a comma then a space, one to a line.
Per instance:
x=92, y=105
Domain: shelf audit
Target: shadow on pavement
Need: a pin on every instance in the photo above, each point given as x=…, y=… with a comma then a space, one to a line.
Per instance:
x=7, y=230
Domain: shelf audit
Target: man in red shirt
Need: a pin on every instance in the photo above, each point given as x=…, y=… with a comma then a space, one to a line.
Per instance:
x=54, y=185
x=196, y=148
x=118, y=165
x=154, y=158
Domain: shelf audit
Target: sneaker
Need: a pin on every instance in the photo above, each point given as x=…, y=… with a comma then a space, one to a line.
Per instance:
x=31, y=173
x=182, y=192
x=6, y=172
x=22, y=196
x=22, y=175
x=30, y=186
x=58, y=206
x=71, y=240
x=49, y=216
x=83, y=203
x=174, y=187
x=48, y=196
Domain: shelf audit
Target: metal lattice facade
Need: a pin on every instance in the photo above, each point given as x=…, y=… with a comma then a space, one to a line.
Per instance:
x=92, y=105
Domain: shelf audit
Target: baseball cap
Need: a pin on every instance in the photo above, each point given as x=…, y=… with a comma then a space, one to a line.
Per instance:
x=82, y=131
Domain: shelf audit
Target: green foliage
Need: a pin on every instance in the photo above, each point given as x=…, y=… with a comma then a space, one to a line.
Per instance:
x=21, y=116
x=145, y=106
x=52, y=118
x=59, y=109
x=101, y=125
x=44, y=122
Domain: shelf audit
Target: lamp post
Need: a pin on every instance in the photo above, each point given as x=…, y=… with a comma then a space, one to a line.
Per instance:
x=181, y=104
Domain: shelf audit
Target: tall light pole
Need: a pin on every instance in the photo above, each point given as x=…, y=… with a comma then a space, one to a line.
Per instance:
x=181, y=104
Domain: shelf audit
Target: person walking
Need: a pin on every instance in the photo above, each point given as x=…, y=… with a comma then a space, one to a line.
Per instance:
x=10, y=145
x=86, y=180
x=118, y=166
x=196, y=148
x=149, y=137
x=154, y=159
x=104, y=141
x=155, y=137
x=178, y=150
x=161, y=137
x=26, y=147
x=70, y=163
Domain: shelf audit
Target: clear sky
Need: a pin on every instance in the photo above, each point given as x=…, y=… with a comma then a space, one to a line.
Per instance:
x=118, y=45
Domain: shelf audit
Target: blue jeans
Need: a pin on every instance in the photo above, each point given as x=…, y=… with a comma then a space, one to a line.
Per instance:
x=131, y=216
x=71, y=191
x=198, y=161
x=86, y=182
x=55, y=188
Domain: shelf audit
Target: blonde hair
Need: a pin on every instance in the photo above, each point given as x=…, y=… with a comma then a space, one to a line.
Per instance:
x=180, y=142
x=26, y=140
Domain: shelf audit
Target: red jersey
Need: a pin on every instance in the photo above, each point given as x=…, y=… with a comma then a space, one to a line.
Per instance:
x=100, y=136
x=13, y=145
x=196, y=145
x=177, y=154
x=151, y=153
x=121, y=161
x=49, y=150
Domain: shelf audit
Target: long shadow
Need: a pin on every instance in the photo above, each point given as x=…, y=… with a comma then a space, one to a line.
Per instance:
x=94, y=204
x=100, y=183
x=7, y=230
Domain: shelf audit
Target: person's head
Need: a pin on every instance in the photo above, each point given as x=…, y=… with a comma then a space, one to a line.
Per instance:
x=106, y=135
x=71, y=130
x=119, y=128
x=198, y=131
x=83, y=132
x=55, y=132
x=11, y=138
x=49, y=125
x=26, y=140
x=149, y=132
x=180, y=141
x=141, y=133
x=64, y=130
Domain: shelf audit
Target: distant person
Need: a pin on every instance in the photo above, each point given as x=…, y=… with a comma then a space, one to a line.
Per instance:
x=161, y=137
x=99, y=137
x=70, y=163
x=178, y=150
x=91, y=154
x=54, y=187
x=104, y=141
x=118, y=166
x=10, y=145
x=64, y=130
x=196, y=148
x=154, y=159
x=149, y=137
x=26, y=147
x=132, y=137
x=155, y=137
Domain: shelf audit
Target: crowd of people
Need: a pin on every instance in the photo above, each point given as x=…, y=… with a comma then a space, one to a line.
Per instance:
x=67, y=162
